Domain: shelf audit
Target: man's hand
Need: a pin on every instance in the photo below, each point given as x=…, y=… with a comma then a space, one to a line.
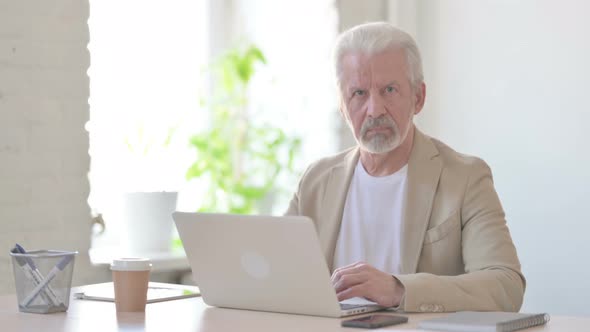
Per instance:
x=363, y=280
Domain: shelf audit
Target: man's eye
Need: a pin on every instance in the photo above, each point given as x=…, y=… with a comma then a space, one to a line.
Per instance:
x=389, y=89
x=359, y=93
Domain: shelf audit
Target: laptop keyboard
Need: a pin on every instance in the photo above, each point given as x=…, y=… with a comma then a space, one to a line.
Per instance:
x=348, y=306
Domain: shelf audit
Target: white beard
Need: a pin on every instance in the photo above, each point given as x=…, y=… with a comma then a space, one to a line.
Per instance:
x=379, y=143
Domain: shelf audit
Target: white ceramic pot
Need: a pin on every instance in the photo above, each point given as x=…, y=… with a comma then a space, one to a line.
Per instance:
x=148, y=220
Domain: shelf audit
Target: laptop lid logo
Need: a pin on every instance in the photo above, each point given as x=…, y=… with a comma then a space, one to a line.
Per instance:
x=255, y=265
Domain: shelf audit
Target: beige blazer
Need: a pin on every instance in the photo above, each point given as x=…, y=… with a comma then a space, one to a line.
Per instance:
x=456, y=250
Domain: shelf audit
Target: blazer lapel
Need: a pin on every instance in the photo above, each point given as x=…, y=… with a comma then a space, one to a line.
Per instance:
x=333, y=204
x=423, y=174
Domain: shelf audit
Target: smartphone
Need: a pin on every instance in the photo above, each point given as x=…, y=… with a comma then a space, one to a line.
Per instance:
x=375, y=321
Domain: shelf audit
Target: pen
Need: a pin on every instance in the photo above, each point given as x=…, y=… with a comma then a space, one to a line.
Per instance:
x=53, y=296
x=54, y=271
x=30, y=274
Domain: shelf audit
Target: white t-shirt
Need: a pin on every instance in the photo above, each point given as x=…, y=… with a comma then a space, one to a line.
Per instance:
x=371, y=222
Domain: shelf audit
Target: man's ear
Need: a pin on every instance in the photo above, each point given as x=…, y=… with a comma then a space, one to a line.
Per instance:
x=420, y=95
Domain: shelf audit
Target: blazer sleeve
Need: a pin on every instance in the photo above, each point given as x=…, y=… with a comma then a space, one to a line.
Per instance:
x=492, y=280
x=293, y=209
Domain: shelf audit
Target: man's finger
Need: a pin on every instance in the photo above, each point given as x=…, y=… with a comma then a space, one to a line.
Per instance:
x=349, y=280
x=340, y=271
x=348, y=269
x=354, y=291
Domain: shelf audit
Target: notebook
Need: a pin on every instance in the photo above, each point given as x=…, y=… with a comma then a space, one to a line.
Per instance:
x=262, y=263
x=156, y=293
x=473, y=321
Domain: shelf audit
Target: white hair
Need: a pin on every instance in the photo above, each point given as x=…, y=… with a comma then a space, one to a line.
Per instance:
x=372, y=38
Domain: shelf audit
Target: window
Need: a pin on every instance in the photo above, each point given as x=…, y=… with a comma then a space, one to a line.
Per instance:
x=147, y=58
x=146, y=73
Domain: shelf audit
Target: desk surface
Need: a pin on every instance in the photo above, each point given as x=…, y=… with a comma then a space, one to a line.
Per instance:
x=193, y=315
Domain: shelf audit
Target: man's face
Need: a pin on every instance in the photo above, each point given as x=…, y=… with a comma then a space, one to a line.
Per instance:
x=378, y=100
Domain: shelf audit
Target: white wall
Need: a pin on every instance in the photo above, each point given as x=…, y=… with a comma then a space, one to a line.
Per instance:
x=43, y=144
x=508, y=81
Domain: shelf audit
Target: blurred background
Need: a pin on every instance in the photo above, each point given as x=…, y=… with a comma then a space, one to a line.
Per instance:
x=113, y=113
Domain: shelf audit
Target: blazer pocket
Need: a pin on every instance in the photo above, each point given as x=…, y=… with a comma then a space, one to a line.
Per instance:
x=438, y=232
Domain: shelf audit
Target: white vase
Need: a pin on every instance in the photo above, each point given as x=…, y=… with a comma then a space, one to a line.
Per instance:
x=148, y=220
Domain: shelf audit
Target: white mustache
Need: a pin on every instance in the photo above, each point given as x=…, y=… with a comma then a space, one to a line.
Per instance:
x=382, y=121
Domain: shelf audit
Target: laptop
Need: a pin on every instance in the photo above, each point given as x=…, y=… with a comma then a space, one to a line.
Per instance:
x=262, y=263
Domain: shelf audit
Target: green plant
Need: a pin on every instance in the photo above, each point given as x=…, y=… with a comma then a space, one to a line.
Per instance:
x=238, y=159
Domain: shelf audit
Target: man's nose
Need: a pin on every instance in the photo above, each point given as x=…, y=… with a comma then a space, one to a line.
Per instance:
x=375, y=105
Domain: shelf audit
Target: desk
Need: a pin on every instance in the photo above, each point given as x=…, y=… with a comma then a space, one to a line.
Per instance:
x=193, y=315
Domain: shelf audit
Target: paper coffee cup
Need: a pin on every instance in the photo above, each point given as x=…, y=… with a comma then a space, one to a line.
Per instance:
x=130, y=280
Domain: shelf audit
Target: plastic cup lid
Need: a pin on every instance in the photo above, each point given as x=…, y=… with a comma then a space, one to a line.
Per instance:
x=131, y=264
